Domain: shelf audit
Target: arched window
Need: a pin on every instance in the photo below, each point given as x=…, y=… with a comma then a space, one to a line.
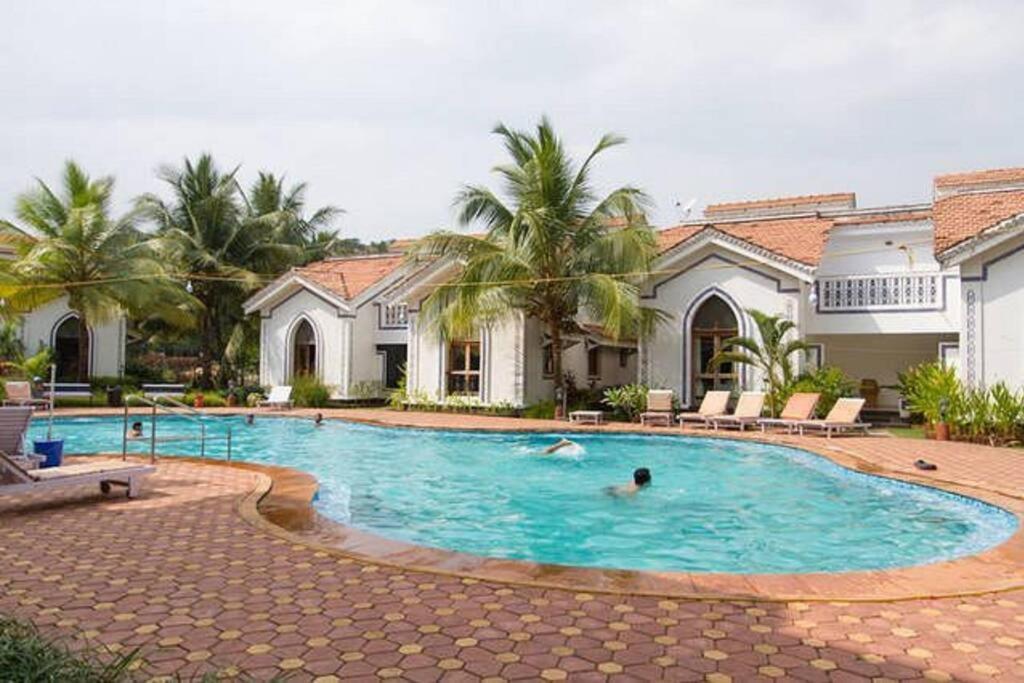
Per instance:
x=304, y=350
x=71, y=353
x=713, y=323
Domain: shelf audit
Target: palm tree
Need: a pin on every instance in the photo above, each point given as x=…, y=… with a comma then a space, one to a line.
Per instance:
x=553, y=249
x=283, y=210
x=771, y=354
x=225, y=249
x=68, y=245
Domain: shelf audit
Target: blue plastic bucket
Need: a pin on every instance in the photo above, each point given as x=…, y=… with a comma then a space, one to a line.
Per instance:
x=52, y=449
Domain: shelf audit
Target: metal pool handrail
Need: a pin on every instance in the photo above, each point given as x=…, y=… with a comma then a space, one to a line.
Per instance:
x=176, y=408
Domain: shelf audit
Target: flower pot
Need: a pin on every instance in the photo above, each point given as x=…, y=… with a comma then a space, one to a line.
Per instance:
x=941, y=431
x=199, y=401
x=52, y=449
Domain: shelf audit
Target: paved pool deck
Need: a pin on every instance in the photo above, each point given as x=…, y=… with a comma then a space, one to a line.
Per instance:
x=202, y=579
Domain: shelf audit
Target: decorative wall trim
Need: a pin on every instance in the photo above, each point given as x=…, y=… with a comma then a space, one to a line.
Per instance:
x=970, y=325
x=289, y=348
x=985, y=266
x=778, y=281
x=686, y=386
x=340, y=312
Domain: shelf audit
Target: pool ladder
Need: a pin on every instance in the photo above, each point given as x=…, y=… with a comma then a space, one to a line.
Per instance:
x=177, y=408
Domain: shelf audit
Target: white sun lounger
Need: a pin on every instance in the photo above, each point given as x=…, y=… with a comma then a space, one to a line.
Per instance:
x=842, y=418
x=659, y=408
x=280, y=397
x=748, y=412
x=13, y=426
x=20, y=394
x=714, y=403
x=103, y=472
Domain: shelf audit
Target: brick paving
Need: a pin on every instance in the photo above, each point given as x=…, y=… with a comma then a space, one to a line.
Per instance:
x=182, y=575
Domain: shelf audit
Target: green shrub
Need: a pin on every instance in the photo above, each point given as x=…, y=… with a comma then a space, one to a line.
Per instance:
x=829, y=381
x=628, y=401
x=934, y=391
x=544, y=410
x=211, y=399
x=28, y=655
x=309, y=392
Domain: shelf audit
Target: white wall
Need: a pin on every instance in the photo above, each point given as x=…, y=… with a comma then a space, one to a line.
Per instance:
x=992, y=336
x=862, y=250
x=332, y=332
x=106, y=349
x=662, y=355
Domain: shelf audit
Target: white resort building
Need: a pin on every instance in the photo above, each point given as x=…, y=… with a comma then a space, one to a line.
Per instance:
x=876, y=290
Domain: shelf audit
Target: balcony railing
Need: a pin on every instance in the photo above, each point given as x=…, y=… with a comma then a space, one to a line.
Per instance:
x=881, y=292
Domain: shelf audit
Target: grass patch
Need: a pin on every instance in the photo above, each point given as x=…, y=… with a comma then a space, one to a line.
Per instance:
x=28, y=655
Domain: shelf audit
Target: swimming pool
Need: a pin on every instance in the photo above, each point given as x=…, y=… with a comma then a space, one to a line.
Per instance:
x=715, y=505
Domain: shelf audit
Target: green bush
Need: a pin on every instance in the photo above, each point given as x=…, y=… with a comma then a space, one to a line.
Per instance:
x=932, y=390
x=544, y=410
x=309, y=392
x=28, y=655
x=211, y=399
x=829, y=381
x=628, y=401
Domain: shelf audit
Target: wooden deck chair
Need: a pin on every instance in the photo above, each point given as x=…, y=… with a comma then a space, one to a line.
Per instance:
x=799, y=408
x=20, y=394
x=842, y=418
x=106, y=473
x=748, y=412
x=280, y=397
x=714, y=403
x=659, y=408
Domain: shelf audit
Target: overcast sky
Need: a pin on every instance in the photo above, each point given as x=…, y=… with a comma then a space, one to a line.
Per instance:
x=385, y=108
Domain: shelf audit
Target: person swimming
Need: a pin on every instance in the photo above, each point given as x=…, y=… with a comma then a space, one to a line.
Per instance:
x=136, y=431
x=563, y=443
x=641, y=479
x=318, y=420
x=250, y=419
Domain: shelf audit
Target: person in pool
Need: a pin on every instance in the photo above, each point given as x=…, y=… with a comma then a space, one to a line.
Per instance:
x=641, y=479
x=562, y=443
x=136, y=431
x=250, y=419
x=318, y=420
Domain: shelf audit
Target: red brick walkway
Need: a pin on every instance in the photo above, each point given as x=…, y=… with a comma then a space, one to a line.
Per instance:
x=182, y=575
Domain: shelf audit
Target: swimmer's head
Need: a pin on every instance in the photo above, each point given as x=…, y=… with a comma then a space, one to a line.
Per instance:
x=642, y=476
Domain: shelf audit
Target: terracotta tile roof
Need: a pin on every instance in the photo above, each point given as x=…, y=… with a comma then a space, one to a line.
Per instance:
x=351, y=276
x=992, y=176
x=960, y=217
x=798, y=239
x=884, y=217
x=782, y=202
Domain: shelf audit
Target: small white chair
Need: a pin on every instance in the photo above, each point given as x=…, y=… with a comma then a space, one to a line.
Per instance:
x=280, y=397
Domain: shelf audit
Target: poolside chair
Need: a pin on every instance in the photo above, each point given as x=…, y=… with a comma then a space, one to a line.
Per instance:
x=799, y=408
x=748, y=412
x=280, y=397
x=714, y=403
x=20, y=394
x=106, y=473
x=842, y=418
x=659, y=408
x=13, y=426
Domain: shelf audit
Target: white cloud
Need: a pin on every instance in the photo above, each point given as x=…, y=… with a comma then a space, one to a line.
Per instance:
x=385, y=108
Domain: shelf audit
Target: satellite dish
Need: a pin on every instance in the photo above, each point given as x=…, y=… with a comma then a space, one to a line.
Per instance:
x=685, y=209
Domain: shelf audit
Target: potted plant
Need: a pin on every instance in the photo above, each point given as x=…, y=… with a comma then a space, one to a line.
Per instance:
x=942, y=425
x=199, y=401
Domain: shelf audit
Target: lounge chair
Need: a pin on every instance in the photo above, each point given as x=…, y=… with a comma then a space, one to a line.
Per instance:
x=106, y=473
x=748, y=412
x=593, y=417
x=842, y=418
x=280, y=397
x=714, y=403
x=659, y=408
x=799, y=408
x=20, y=394
x=14, y=423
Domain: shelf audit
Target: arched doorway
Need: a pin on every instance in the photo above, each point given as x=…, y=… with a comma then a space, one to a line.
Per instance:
x=304, y=349
x=71, y=351
x=713, y=323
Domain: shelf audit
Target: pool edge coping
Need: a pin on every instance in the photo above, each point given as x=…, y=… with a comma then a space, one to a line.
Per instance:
x=299, y=522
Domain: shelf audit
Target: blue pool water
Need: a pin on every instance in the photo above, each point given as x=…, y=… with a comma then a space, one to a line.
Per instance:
x=715, y=505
